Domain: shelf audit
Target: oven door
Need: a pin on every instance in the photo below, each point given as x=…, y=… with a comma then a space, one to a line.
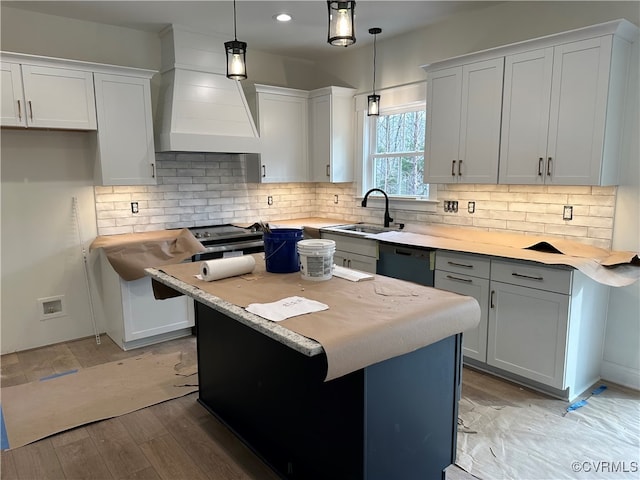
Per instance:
x=229, y=250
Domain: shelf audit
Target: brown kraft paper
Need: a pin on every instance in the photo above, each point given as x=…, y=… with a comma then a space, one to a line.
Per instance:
x=130, y=253
x=366, y=323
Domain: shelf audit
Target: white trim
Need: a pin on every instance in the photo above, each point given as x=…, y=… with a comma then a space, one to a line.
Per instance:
x=628, y=377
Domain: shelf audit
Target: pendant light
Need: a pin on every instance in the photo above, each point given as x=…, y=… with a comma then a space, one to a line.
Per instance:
x=236, y=54
x=373, y=101
x=341, y=24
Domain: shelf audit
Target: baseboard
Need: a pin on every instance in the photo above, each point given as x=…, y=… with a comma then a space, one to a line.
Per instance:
x=621, y=375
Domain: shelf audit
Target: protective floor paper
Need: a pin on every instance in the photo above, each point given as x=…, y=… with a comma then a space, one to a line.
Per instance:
x=535, y=438
x=38, y=409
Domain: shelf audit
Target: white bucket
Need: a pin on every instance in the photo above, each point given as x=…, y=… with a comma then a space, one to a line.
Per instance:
x=316, y=258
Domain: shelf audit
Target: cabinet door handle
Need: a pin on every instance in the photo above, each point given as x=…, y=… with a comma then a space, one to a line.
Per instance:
x=540, y=160
x=453, y=168
x=19, y=111
x=458, y=279
x=344, y=262
x=455, y=264
x=328, y=174
x=153, y=170
x=530, y=277
x=492, y=305
x=549, y=162
x=459, y=167
x=30, y=110
x=349, y=263
x=264, y=171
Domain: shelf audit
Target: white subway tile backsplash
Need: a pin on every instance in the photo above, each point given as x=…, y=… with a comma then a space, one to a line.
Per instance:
x=204, y=189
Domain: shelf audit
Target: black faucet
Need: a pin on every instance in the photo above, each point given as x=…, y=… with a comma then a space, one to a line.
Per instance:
x=387, y=217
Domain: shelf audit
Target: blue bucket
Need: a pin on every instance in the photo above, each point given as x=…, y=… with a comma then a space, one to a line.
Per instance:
x=280, y=252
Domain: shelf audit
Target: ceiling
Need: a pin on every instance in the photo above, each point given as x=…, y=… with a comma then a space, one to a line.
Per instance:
x=303, y=37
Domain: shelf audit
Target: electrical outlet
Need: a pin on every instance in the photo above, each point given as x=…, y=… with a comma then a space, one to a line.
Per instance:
x=269, y=200
x=134, y=207
x=471, y=207
x=567, y=214
x=450, y=205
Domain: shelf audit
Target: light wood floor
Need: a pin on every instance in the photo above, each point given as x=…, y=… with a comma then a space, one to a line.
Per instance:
x=173, y=440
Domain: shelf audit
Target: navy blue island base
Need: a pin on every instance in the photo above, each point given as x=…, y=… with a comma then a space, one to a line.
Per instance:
x=396, y=419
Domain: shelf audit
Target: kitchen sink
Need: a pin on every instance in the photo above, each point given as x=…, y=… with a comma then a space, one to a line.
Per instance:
x=362, y=228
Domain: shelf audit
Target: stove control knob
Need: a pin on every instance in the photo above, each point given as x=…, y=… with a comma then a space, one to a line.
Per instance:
x=197, y=235
x=207, y=234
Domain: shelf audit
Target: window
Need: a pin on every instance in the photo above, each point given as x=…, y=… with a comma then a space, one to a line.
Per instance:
x=393, y=146
x=396, y=153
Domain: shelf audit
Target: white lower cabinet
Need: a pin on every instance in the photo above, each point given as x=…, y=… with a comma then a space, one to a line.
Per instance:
x=467, y=275
x=353, y=252
x=544, y=324
x=133, y=318
x=528, y=332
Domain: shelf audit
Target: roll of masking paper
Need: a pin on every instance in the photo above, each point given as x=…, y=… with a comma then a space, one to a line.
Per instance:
x=219, y=268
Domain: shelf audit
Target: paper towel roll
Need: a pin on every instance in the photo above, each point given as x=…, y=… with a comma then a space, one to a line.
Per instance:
x=211, y=270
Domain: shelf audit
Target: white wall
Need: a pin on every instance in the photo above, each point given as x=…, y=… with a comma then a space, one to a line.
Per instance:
x=622, y=342
x=41, y=250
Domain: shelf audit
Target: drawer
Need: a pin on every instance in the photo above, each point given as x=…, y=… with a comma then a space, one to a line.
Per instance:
x=348, y=243
x=463, y=263
x=533, y=275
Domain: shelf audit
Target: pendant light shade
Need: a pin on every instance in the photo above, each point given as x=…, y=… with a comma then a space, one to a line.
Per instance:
x=341, y=23
x=236, y=54
x=373, y=100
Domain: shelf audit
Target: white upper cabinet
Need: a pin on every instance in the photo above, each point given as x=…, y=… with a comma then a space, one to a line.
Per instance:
x=561, y=113
x=525, y=117
x=12, y=101
x=125, y=153
x=463, y=123
x=40, y=93
x=331, y=134
x=282, y=122
x=581, y=99
x=562, y=107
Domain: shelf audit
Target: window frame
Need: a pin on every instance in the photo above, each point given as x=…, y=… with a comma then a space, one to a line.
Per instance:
x=395, y=100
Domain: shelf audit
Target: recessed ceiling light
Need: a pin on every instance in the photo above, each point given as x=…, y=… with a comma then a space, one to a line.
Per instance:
x=282, y=17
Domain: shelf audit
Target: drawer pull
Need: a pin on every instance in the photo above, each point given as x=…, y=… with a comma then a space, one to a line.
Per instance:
x=458, y=279
x=402, y=252
x=530, y=277
x=455, y=264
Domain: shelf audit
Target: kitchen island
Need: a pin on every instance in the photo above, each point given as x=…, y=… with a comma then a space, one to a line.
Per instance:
x=328, y=409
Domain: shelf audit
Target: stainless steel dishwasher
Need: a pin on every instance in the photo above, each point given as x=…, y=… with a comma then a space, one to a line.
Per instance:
x=413, y=264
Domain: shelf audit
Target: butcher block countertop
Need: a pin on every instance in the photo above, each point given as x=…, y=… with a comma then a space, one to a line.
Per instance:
x=366, y=322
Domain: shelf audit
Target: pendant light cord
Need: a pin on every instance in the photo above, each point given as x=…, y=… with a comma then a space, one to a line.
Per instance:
x=235, y=35
x=374, y=63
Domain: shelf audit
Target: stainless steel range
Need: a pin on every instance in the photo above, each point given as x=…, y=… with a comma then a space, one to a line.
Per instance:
x=227, y=241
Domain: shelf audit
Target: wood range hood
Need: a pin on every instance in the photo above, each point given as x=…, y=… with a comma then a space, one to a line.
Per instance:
x=199, y=108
